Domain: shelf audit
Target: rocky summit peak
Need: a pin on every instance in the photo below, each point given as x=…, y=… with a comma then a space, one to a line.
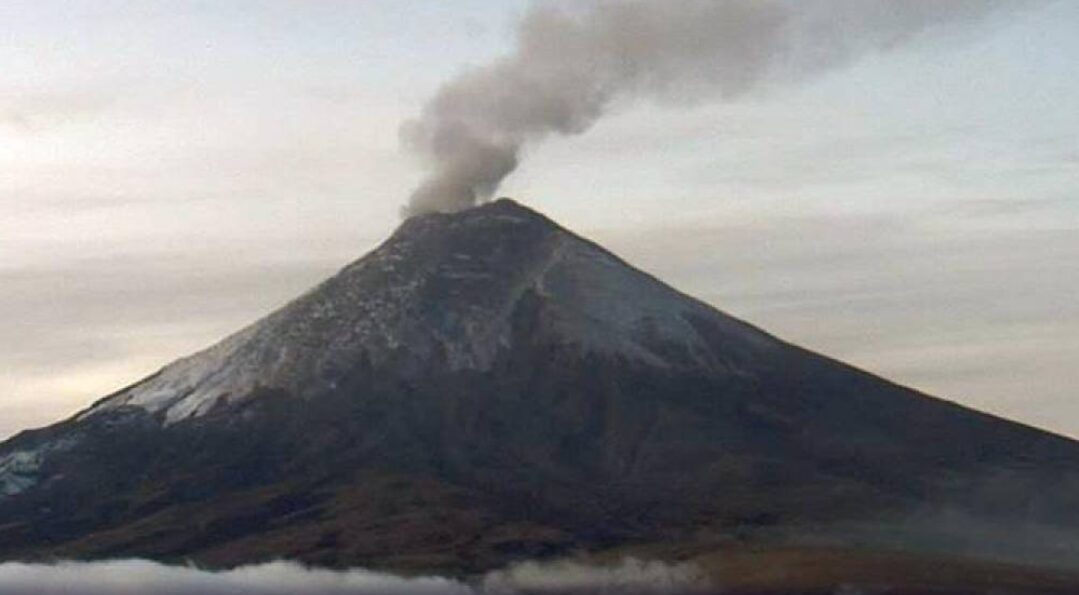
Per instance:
x=504, y=212
x=450, y=291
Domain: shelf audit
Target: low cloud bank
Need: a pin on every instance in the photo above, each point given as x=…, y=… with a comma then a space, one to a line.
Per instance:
x=571, y=577
x=138, y=577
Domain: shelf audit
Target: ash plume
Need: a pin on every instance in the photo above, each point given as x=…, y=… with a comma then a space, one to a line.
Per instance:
x=573, y=61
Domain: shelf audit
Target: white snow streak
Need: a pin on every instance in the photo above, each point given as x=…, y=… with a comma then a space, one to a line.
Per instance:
x=379, y=309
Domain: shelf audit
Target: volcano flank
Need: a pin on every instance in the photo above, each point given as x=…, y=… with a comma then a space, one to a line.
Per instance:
x=487, y=387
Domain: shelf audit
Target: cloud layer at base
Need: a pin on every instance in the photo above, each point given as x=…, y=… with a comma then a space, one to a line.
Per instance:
x=137, y=577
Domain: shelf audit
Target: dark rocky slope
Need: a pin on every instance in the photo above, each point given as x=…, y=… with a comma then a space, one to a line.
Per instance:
x=485, y=387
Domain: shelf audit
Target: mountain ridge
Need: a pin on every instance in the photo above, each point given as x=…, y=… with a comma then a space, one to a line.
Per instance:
x=562, y=245
x=486, y=386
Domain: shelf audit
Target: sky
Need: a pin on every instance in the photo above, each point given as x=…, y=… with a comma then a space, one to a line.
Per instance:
x=173, y=170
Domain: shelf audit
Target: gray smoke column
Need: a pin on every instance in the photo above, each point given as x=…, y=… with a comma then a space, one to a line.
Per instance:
x=574, y=60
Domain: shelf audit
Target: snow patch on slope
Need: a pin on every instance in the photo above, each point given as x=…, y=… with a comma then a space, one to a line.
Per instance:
x=441, y=292
x=370, y=310
x=614, y=310
x=20, y=470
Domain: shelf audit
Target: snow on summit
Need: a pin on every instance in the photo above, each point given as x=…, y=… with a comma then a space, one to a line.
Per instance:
x=443, y=290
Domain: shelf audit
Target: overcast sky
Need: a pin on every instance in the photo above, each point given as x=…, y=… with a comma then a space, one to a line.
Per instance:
x=170, y=171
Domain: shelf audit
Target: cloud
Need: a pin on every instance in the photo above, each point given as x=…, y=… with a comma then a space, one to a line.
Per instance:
x=31, y=112
x=138, y=577
x=570, y=577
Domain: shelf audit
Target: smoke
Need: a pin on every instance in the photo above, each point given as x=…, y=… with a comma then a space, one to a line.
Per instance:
x=574, y=60
x=138, y=577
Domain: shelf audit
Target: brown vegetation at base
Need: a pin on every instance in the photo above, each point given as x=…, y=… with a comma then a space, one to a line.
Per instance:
x=790, y=571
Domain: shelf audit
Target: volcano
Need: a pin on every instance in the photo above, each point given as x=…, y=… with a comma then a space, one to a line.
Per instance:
x=486, y=387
